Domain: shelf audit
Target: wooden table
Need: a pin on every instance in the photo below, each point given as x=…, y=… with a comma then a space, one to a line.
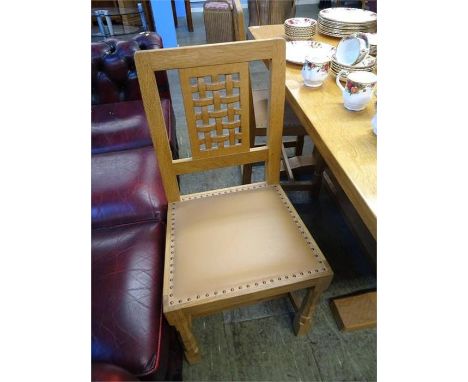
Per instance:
x=349, y=147
x=344, y=138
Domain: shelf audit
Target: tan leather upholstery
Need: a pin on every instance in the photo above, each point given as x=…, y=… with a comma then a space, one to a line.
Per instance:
x=247, y=236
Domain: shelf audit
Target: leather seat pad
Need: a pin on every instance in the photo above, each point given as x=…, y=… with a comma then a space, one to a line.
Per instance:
x=237, y=237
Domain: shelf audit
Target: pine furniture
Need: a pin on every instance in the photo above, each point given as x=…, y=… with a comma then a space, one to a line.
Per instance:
x=239, y=245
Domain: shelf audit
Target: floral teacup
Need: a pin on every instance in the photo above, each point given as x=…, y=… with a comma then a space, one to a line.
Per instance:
x=358, y=89
x=352, y=49
x=315, y=70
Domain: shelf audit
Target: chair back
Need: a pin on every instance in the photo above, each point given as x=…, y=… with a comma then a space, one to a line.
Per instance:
x=215, y=86
x=267, y=12
x=238, y=16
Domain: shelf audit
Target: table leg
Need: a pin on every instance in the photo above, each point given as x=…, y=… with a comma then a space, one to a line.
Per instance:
x=318, y=173
x=188, y=14
x=142, y=16
x=108, y=22
x=174, y=13
x=100, y=23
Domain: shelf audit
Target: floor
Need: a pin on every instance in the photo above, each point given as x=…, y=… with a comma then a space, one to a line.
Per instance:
x=257, y=343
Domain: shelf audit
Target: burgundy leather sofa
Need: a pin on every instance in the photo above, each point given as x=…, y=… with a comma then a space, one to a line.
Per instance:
x=118, y=120
x=131, y=339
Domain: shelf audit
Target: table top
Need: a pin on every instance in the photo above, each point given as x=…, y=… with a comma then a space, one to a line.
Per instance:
x=344, y=138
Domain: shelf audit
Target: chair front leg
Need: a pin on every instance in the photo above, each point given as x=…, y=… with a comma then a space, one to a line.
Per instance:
x=303, y=319
x=183, y=324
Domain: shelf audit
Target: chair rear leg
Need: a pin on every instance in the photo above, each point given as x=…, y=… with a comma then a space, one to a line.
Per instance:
x=299, y=145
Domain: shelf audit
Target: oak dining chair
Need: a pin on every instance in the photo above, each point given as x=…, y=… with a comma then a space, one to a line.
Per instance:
x=239, y=245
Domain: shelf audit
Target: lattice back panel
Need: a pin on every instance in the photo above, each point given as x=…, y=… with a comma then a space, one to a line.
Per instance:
x=216, y=100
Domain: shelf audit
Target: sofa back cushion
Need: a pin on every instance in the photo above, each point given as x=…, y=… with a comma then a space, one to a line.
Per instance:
x=113, y=73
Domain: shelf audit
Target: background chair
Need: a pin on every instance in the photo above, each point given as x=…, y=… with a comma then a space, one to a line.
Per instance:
x=292, y=128
x=266, y=12
x=238, y=245
x=218, y=19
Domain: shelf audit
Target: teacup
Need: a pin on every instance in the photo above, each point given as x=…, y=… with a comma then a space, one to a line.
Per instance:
x=352, y=49
x=315, y=70
x=358, y=89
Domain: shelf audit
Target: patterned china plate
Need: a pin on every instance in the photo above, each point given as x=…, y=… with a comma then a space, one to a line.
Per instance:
x=346, y=28
x=366, y=63
x=344, y=76
x=300, y=22
x=348, y=15
x=347, y=25
x=335, y=34
x=296, y=51
x=372, y=38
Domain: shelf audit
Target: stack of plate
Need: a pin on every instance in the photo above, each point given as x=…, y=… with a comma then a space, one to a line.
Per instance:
x=372, y=38
x=366, y=65
x=341, y=22
x=300, y=28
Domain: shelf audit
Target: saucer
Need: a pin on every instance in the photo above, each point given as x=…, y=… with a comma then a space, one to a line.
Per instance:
x=296, y=51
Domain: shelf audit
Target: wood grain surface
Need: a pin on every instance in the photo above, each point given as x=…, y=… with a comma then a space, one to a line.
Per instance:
x=356, y=312
x=344, y=138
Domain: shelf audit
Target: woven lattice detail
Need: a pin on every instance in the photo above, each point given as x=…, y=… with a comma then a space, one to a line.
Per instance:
x=217, y=109
x=217, y=112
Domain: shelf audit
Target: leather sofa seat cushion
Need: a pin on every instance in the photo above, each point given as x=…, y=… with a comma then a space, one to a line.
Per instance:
x=126, y=187
x=127, y=317
x=123, y=125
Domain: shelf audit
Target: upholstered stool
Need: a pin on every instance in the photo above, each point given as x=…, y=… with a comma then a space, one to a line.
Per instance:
x=219, y=25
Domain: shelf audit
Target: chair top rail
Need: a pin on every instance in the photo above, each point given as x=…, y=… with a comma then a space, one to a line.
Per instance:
x=206, y=55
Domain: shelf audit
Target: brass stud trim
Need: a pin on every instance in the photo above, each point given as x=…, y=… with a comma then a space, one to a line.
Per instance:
x=253, y=284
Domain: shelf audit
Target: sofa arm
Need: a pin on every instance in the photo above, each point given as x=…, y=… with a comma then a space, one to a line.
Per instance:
x=113, y=72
